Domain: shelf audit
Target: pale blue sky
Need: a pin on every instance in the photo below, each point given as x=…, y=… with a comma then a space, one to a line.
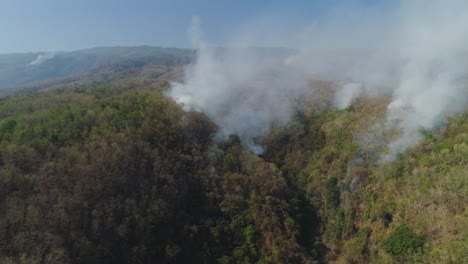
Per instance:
x=51, y=25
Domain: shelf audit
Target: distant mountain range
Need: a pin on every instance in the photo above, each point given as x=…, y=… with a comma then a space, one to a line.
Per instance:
x=29, y=72
x=23, y=68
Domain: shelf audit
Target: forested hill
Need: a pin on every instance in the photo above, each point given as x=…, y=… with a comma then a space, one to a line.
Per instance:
x=32, y=72
x=119, y=173
x=26, y=68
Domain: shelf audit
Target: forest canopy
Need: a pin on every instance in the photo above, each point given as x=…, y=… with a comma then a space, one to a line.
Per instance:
x=119, y=173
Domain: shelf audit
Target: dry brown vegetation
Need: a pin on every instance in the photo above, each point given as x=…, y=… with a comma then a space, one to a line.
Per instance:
x=116, y=172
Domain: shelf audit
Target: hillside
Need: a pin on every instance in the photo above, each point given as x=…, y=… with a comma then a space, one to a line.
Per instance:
x=27, y=68
x=119, y=173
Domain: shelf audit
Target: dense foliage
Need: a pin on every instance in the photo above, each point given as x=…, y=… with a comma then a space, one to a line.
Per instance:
x=403, y=241
x=131, y=178
x=120, y=174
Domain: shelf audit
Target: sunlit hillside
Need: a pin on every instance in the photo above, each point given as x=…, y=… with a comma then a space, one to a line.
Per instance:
x=119, y=173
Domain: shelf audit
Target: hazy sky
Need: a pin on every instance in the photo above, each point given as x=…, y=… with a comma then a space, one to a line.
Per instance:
x=51, y=25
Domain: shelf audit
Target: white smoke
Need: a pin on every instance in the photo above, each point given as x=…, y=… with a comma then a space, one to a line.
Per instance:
x=346, y=95
x=417, y=53
x=41, y=58
x=244, y=90
x=433, y=82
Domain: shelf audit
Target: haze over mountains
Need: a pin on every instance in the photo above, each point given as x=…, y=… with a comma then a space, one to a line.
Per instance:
x=348, y=146
x=105, y=167
x=23, y=68
x=28, y=72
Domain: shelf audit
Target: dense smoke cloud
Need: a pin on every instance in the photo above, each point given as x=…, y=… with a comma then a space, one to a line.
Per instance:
x=433, y=82
x=416, y=53
x=244, y=90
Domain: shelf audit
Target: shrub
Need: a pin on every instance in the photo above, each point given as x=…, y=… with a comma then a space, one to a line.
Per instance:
x=403, y=241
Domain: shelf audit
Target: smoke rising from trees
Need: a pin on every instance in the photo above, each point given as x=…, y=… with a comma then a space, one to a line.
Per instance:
x=417, y=54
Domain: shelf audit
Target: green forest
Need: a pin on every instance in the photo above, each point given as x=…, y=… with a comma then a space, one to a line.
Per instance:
x=119, y=173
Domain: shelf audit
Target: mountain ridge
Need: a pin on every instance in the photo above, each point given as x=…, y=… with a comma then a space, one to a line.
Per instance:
x=22, y=68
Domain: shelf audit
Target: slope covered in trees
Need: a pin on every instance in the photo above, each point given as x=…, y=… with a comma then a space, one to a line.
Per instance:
x=121, y=174
x=111, y=175
x=26, y=68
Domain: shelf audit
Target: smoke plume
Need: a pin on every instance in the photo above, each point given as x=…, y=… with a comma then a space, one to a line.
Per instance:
x=244, y=90
x=416, y=53
x=42, y=58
